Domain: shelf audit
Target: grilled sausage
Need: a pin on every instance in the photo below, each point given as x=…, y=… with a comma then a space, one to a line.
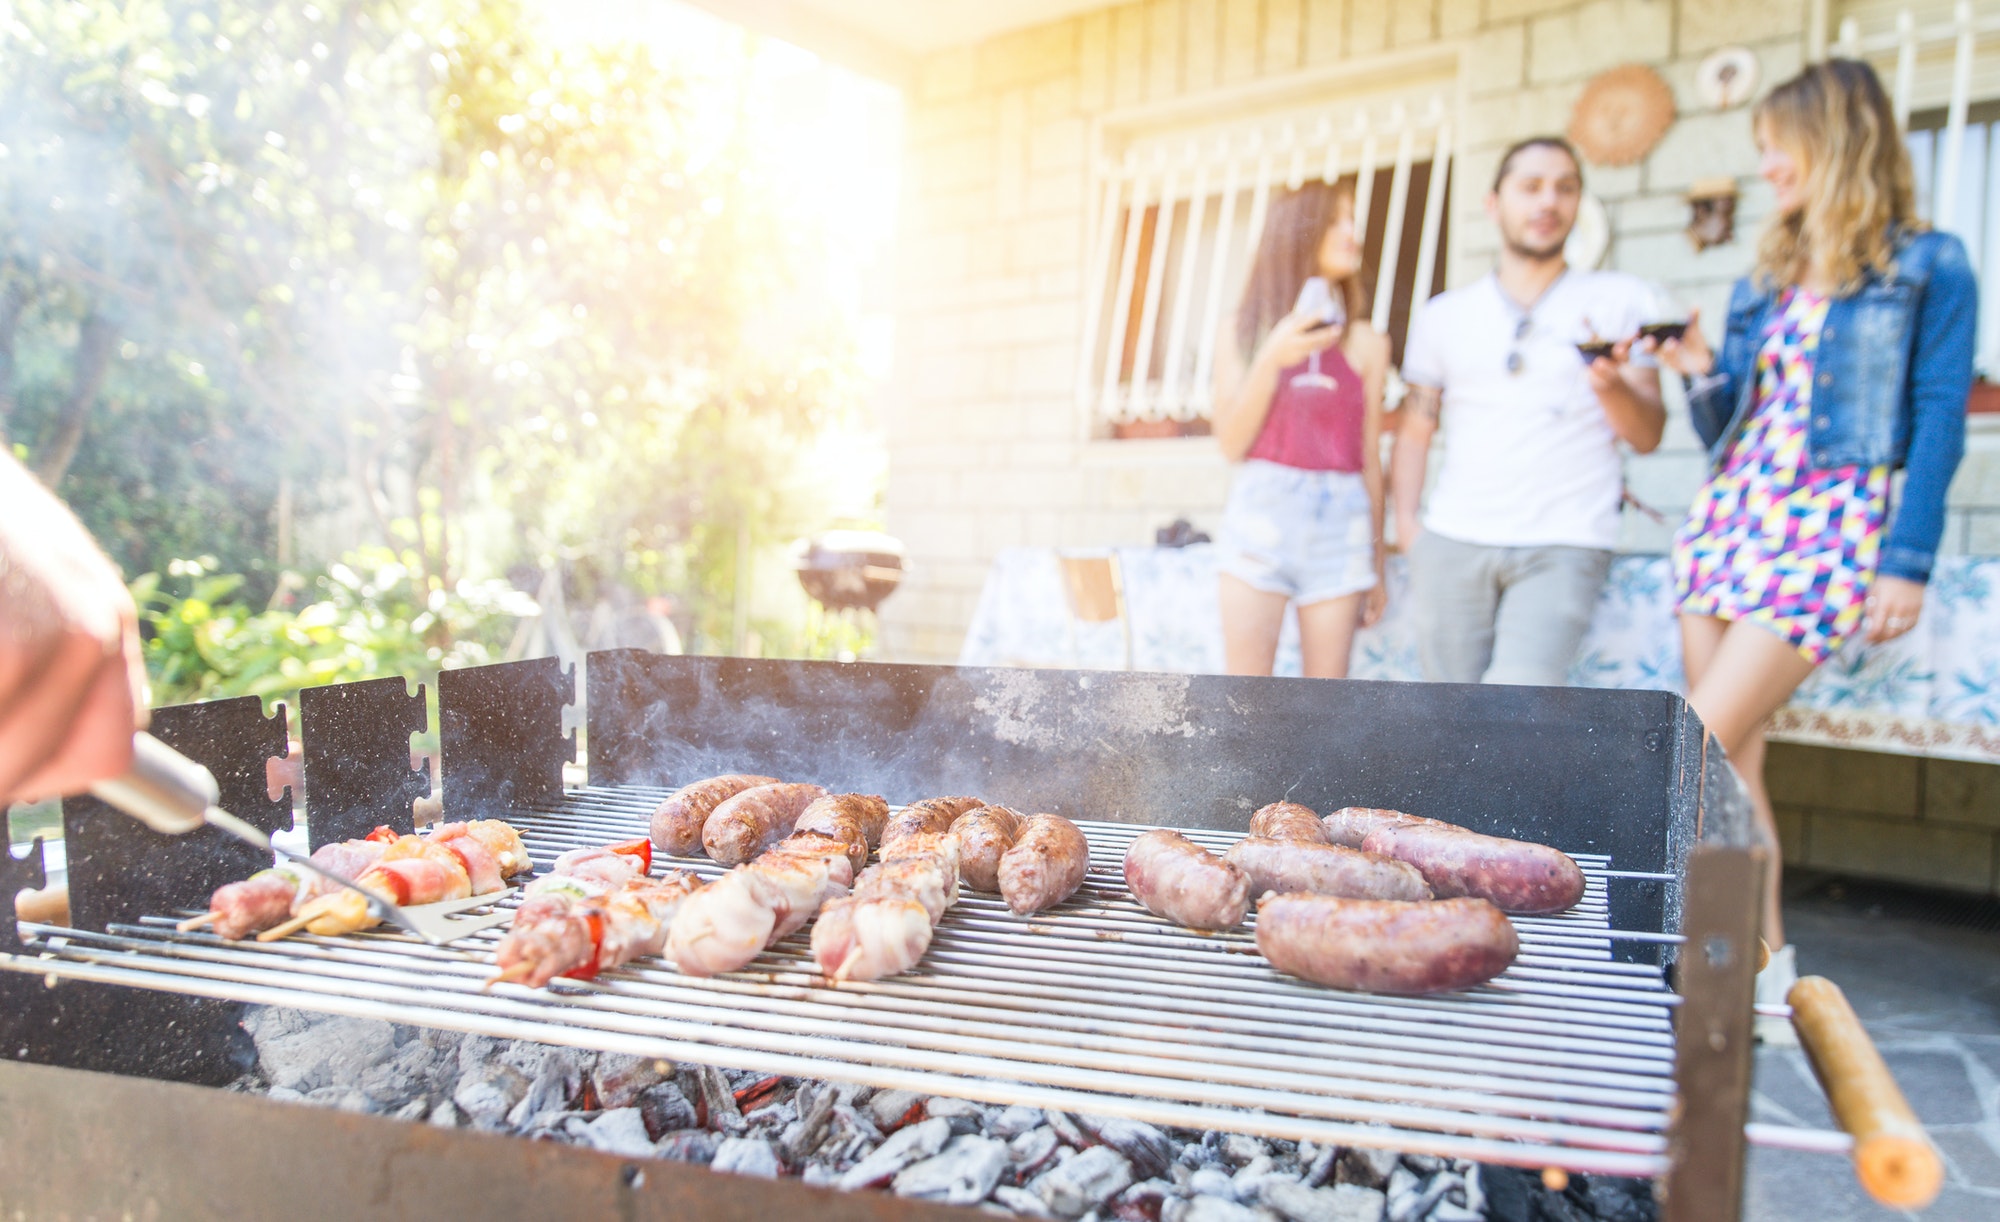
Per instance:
x=1288, y=821
x=929, y=815
x=854, y=819
x=1350, y=825
x=1177, y=879
x=677, y=822
x=1384, y=946
x=1325, y=869
x=1517, y=875
x=1045, y=866
x=754, y=820
x=983, y=835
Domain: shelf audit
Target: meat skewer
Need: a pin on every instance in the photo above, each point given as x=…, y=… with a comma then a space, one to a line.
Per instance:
x=754, y=820
x=412, y=871
x=1178, y=879
x=1045, y=866
x=854, y=819
x=984, y=834
x=677, y=822
x=931, y=815
x=1288, y=821
x=577, y=927
x=730, y=922
x=886, y=924
x=1325, y=869
x=268, y=897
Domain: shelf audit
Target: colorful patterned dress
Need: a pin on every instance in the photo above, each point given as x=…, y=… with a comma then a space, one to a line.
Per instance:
x=1768, y=541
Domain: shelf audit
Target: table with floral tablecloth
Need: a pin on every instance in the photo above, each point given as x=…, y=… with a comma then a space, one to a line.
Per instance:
x=1935, y=691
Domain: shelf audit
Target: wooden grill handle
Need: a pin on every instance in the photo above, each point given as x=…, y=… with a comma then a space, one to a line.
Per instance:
x=1893, y=1156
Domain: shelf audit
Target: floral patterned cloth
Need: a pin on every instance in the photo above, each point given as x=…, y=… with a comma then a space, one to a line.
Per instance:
x=1768, y=541
x=1934, y=691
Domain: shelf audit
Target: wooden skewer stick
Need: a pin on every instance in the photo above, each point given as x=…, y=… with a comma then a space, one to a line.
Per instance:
x=287, y=929
x=508, y=975
x=196, y=922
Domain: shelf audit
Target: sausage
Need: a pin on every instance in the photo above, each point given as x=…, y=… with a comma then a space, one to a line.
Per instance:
x=854, y=819
x=983, y=835
x=1325, y=869
x=1517, y=875
x=1288, y=821
x=1350, y=825
x=677, y=822
x=1177, y=879
x=1386, y=946
x=1045, y=866
x=928, y=815
x=754, y=820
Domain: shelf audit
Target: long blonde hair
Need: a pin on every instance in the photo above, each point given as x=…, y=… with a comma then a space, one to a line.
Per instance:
x=1836, y=121
x=1287, y=253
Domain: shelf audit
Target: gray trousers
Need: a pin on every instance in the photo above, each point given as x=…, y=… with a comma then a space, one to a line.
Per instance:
x=1502, y=614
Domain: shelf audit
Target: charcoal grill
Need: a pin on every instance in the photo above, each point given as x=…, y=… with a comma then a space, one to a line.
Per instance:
x=1602, y=1050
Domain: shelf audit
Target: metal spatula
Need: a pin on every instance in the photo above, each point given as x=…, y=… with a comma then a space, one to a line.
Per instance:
x=170, y=793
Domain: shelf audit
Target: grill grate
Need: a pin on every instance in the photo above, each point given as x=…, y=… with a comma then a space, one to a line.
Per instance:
x=1564, y=1060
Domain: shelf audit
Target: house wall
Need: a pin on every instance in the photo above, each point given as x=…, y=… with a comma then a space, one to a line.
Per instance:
x=989, y=447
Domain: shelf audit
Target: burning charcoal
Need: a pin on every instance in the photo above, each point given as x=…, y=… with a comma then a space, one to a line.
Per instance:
x=665, y=1109
x=1143, y=1201
x=1032, y=1150
x=1150, y=1150
x=891, y=1109
x=723, y=1115
x=411, y=1070
x=819, y=1175
x=1022, y=1202
x=413, y=1110
x=1216, y=1209
x=803, y=1135
x=688, y=1146
x=773, y=1118
x=962, y=1174
x=1238, y=1150
x=1066, y=1127
x=1425, y=1164
x=335, y=1052
x=341, y=1098
x=1180, y=1174
x=487, y=1095
x=1368, y=1168
x=1010, y=1122
x=1248, y=1175
x=1611, y=1199
x=1298, y=1203
x=548, y=1093
x=1320, y=1170
x=619, y=1080
x=905, y=1146
x=1211, y=1182
x=1446, y=1211
x=619, y=1131
x=445, y=1115
x=1078, y=1184
x=1409, y=1198
x=746, y=1156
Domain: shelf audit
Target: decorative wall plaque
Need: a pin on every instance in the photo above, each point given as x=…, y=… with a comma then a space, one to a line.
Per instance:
x=1622, y=114
x=1726, y=78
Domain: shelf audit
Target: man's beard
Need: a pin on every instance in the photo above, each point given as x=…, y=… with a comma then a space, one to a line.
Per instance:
x=1522, y=248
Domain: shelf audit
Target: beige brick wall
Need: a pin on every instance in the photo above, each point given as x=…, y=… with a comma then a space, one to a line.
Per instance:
x=1930, y=822
x=987, y=441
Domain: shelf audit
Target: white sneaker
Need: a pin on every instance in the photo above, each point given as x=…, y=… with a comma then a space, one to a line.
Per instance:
x=1773, y=983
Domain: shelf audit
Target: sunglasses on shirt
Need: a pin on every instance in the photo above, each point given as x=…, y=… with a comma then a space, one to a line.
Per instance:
x=1515, y=361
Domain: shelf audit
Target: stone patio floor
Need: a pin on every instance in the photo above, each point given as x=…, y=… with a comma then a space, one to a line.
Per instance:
x=1930, y=995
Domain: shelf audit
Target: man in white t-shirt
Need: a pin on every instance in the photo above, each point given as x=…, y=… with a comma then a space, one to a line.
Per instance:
x=1518, y=533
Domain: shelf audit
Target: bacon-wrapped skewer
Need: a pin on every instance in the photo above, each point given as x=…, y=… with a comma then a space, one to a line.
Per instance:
x=730, y=921
x=413, y=870
x=266, y=898
x=597, y=910
x=885, y=926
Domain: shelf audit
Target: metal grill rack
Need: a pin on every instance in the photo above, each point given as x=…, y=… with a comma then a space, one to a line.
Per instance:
x=1098, y=1007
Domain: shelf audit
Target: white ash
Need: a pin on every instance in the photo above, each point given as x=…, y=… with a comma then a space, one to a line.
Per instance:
x=1023, y=1161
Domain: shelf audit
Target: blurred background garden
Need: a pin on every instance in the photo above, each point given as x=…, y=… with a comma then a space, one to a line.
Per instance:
x=375, y=337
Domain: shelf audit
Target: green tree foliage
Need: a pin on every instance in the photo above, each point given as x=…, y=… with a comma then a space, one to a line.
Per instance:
x=412, y=259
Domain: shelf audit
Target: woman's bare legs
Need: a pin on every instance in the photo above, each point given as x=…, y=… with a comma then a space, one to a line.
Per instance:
x=1738, y=675
x=1326, y=635
x=1251, y=619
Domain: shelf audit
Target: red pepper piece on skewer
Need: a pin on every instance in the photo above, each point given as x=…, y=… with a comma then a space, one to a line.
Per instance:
x=642, y=848
x=588, y=971
x=384, y=834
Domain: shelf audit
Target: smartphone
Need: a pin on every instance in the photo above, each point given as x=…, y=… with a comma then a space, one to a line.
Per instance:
x=1317, y=296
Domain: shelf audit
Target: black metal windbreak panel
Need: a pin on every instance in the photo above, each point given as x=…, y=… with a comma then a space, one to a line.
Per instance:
x=500, y=735
x=120, y=869
x=357, y=744
x=1590, y=770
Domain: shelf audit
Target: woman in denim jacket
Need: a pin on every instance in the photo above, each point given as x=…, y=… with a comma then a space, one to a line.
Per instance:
x=1847, y=354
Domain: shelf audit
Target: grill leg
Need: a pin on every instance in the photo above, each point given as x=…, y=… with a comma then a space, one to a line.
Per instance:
x=1712, y=1055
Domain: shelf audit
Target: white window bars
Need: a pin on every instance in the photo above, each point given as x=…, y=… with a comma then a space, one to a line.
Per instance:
x=1177, y=221
x=1945, y=58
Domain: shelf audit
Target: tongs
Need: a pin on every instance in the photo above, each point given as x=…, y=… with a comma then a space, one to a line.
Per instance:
x=172, y=794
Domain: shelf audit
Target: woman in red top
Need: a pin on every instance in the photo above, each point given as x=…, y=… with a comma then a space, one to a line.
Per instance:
x=1298, y=404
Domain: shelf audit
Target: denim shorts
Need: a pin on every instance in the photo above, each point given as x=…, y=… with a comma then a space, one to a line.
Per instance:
x=1303, y=534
